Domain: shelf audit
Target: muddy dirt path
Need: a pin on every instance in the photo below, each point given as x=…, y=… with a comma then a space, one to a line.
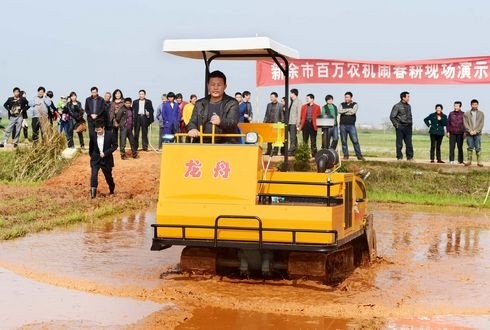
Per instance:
x=434, y=270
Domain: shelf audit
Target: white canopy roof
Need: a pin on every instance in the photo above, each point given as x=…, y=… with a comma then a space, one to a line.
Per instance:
x=193, y=48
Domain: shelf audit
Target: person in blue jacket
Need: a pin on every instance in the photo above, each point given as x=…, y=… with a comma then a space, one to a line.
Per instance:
x=170, y=115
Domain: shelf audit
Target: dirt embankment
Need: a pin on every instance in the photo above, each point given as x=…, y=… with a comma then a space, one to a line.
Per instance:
x=135, y=178
x=65, y=198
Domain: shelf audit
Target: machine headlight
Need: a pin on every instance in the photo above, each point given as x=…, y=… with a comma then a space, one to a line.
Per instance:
x=168, y=138
x=251, y=138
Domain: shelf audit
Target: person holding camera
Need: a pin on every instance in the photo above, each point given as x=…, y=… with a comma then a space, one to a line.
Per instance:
x=16, y=106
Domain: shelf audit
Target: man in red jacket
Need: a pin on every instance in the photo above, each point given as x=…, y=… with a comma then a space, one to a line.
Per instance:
x=309, y=112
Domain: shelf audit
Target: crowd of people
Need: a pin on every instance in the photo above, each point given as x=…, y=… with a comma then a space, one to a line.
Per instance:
x=128, y=120
x=457, y=126
x=303, y=118
x=113, y=120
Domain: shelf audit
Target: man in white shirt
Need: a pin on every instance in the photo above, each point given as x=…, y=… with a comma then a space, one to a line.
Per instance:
x=102, y=145
x=143, y=117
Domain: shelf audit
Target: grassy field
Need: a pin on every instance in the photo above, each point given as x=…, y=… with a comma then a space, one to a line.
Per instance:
x=31, y=220
x=439, y=185
x=382, y=144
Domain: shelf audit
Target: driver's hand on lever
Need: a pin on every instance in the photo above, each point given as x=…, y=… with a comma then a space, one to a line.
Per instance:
x=215, y=120
x=193, y=133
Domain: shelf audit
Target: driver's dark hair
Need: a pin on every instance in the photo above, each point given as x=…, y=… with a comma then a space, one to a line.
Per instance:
x=403, y=95
x=217, y=74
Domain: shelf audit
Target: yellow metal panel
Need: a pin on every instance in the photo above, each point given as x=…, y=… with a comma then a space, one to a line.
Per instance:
x=268, y=132
x=199, y=183
x=272, y=216
x=338, y=222
x=310, y=190
x=219, y=173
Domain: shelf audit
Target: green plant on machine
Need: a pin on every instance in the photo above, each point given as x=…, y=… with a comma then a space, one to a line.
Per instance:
x=302, y=158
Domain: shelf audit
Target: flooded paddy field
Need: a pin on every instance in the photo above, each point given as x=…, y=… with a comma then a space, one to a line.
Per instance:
x=432, y=272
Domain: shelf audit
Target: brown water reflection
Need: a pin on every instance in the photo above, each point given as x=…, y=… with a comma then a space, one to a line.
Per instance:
x=115, y=252
x=220, y=318
x=438, y=259
x=433, y=263
x=43, y=306
x=440, y=323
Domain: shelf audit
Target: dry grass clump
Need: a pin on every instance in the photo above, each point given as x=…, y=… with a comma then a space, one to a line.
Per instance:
x=43, y=160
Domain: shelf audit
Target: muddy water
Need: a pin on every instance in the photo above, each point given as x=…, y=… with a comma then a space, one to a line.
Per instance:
x=434, y=269
x=219, y=318
x=115, y=252
x=24, y=301
x=439, y=260
x=439, y=263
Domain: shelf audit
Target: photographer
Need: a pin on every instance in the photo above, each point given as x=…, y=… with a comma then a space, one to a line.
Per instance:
x=16, y=107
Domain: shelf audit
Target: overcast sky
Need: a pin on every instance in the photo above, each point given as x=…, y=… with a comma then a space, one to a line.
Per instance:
x=73, y=45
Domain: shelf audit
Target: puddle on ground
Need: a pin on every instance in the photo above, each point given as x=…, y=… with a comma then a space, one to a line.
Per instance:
x=27, y=302
x=432, y=264
x=438, y=259
x=440, y=323
x=115, y=252
x=220, y=318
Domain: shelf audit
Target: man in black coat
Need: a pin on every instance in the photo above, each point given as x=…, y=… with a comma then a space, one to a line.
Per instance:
x=94, y=108
x=102, y=145
x=217, y=109
x=142, y=118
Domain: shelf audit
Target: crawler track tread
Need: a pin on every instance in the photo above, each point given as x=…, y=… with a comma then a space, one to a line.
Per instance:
x=198, y=260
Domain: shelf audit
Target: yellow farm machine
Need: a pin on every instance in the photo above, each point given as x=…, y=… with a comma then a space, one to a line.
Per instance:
x=236, y=214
